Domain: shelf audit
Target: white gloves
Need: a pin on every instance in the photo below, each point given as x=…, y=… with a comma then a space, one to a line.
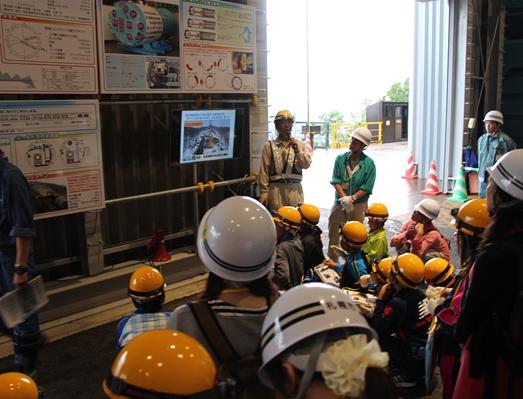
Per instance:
x=346, y=203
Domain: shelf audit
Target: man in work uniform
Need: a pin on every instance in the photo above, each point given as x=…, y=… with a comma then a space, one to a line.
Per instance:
x=282, y=162
x=16, y=260
x=491, y=146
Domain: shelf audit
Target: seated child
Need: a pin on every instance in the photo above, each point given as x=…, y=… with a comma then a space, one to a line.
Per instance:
x=419, y=235
x=402, y=320
x=310, y=235
x=439, y=275
x=146, y=289
x=354, y=271
x=376, y=247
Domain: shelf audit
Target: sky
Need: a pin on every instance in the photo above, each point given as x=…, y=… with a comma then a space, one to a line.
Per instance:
x=357, y=50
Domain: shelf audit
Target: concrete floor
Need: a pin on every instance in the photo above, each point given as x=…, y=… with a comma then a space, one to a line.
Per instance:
x=74, y=367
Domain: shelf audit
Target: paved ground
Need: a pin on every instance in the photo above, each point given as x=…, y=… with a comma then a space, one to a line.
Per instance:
x=74, y=367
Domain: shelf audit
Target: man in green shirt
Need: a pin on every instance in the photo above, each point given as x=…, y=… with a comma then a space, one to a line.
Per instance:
x=353, y=179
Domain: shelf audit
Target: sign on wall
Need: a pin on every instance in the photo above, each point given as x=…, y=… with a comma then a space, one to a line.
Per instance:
x=57, y=146
x=48, y=47
x=168, y=46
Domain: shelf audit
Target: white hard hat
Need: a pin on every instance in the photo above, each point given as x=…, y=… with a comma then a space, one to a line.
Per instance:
x=237, y=239
x=302, y=312
x=428, y=207
x=362, y=134
x=494, y=115
x=507, y=173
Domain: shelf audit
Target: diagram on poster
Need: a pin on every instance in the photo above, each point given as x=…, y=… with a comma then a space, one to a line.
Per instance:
x=219, y=46
x=140, y=46
x=56, y=144
x=48, y=47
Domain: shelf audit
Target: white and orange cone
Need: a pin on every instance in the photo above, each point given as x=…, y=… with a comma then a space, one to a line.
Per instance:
x=432, y=186
x=308, y=143
x=410, y=172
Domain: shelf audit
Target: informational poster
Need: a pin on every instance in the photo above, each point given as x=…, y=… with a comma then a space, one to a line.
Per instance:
x=139, y=45
x=48, y=46
x=207, y=135
x=57, y=145
x=218, y=46
x=167, y=46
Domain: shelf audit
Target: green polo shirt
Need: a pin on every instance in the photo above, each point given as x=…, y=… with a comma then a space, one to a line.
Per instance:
x=363, y=179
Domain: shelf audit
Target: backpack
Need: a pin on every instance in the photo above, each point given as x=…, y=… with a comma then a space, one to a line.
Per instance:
x=237, y=375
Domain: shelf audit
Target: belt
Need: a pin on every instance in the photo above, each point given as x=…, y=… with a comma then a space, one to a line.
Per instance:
x=286, y=181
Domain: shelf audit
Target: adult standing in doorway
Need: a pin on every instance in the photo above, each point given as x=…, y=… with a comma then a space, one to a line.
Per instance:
x=491, y=146
x=16, y=260
x=353, y=180
x=282, y=163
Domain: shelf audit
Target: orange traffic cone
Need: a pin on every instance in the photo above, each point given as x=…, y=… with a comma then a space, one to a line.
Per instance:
x=157, y=245
x=410, y=172
x=432, y=187
x=308, y=143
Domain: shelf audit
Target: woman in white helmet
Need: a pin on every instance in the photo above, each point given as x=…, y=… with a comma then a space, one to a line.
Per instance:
x=491, y=320
x=236, y=243
x=353, y=179
x=491, y=145
x=419, y=236
x=315, y=344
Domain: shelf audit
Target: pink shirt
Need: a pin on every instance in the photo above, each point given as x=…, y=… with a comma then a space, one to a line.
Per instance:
x=430, y=241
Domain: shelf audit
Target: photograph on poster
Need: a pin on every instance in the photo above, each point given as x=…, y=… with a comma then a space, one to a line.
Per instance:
x=141, y=27
x=243, y=62
x=163, y=73
x=207, y=135
x=48, y=197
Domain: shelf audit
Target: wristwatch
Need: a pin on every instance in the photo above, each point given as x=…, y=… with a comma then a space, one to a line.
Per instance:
x=20, y=269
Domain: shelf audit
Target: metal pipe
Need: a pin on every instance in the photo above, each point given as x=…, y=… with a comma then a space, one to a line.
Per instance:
x=176, y=191
x=177, y=101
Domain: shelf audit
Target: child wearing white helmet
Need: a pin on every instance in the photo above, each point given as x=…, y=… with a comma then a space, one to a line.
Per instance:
x=315, y=344
x=490, y=325
x=491, y=145
x=419, y=236
x=236, y=243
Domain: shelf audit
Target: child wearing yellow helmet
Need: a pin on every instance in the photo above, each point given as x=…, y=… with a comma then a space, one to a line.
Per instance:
x=146, y=289
x=402, y=319
x=376, y=247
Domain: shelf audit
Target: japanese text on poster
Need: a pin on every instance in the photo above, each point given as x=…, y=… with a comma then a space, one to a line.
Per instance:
x=219, y=46
x=139, y=45
x=57, y=145
x=48, y=46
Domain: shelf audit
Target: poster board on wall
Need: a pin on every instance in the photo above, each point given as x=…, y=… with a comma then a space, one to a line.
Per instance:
x=170, y=46
x=48, y=47
x=57, y=146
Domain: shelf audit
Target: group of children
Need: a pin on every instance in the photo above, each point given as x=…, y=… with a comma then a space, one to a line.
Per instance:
x=260, y=329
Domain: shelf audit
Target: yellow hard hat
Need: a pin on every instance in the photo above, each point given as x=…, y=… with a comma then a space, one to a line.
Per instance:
x=377, y=211
x=408, y=269
x=382, y=269
x=146, y=283
x=284, y=114
x=472, y=217
x=309, y=213
x=355, y=233
x=438, y=271
x=288, y=216
x=161, y=362
x=17, y=386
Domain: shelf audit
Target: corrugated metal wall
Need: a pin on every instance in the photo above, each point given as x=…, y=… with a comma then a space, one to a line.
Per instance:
x=438, y=85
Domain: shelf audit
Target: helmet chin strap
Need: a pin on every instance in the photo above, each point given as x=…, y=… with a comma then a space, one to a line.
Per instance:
x=316, y=349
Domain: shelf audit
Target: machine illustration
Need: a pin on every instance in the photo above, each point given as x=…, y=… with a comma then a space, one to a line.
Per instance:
x=74, y=151
x=143, y=29
x=207, y=140
x=40, y=154
x=162, y=73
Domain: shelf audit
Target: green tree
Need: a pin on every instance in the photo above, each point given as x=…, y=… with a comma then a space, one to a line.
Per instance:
x=360, y=115
x=398, y=91
x=332, y=117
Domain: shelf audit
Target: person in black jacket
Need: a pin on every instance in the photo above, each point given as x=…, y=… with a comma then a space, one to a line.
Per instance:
x=310, y=235
x=402, y=320
x=485, y=327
